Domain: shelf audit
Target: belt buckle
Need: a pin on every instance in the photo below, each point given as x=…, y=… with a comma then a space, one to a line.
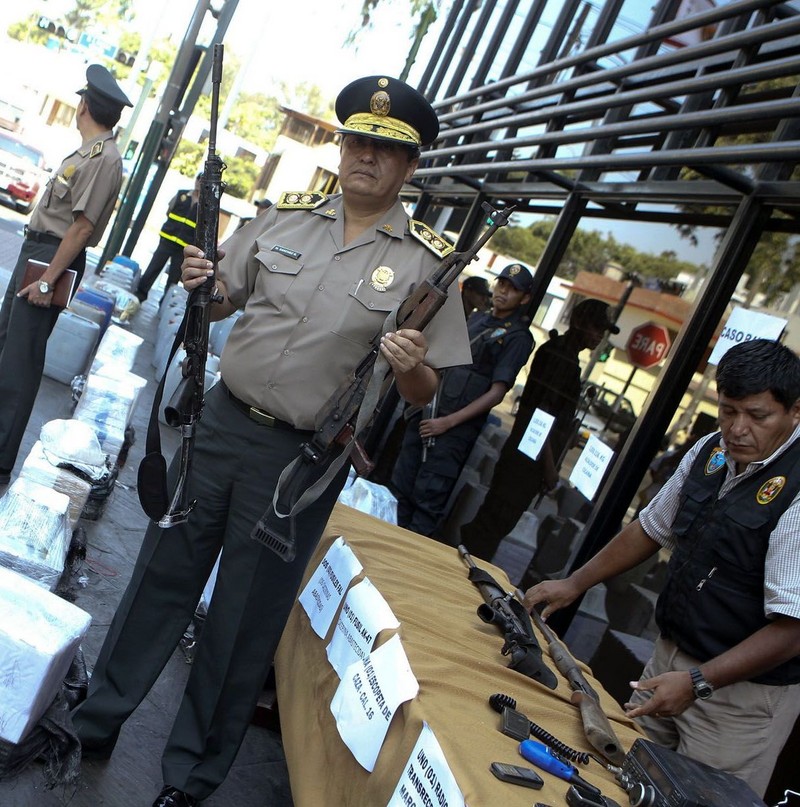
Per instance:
x=259, y=416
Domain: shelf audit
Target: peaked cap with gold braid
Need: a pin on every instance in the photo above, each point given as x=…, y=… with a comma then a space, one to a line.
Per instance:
x=386, y=109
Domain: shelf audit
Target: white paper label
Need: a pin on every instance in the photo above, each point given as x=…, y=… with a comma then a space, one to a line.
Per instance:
x=364, y=615
x=368, y=695
x=326, y=587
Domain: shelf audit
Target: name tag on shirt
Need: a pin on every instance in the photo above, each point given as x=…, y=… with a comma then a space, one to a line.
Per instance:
x=289, y=253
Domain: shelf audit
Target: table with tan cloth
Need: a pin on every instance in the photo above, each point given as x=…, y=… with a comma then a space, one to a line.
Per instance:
x=457, y=661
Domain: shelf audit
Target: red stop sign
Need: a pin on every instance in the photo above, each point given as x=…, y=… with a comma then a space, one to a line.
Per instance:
x=647, y=345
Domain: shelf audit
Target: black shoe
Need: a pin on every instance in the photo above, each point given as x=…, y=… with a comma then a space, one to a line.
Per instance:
x=172, y=797
x=5, y=477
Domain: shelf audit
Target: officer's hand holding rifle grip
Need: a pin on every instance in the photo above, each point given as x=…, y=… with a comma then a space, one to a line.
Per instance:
x=596, y=725
x=186, y=404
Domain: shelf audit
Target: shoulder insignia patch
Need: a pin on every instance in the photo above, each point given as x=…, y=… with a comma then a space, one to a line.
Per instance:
x=300, y=200
x=432, y=240
x=97, y=148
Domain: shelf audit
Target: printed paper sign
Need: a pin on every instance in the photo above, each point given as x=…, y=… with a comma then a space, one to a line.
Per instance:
x=742, y=326
x=591, y=466
x=536, y=433
x=368, y=695
x=326, y=587
x=427, y=778
x=363, y=616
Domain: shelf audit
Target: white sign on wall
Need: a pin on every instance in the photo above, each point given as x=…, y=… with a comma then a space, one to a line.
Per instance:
x=742, y=326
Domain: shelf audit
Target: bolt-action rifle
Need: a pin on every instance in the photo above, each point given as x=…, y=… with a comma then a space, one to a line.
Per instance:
x=596, y=725
x=186, y=404
x=338, y=420
x=503, y=609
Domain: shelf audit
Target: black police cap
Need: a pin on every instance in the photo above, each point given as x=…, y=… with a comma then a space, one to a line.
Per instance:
x=386, y=109
x=518, y=276
x=101, y=86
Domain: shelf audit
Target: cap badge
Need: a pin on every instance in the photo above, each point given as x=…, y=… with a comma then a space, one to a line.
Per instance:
x=382, y=278
x=380, y=104
x=770, y=489
x=514, y=269
x=715, y=461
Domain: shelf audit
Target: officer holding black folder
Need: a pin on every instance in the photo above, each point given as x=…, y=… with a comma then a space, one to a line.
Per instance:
x=71, y=215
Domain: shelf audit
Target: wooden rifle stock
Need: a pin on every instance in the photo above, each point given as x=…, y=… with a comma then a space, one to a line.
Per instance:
x=596, y=725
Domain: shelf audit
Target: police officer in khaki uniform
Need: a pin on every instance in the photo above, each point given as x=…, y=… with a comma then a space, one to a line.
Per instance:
x=71, y=215
x=315, y=277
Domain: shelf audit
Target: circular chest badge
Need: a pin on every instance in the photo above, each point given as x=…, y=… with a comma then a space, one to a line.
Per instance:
x=382, y=278
x=770, y=489
x=715, y=462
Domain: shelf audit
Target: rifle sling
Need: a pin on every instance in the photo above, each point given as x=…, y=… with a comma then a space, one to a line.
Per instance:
x=152, y=473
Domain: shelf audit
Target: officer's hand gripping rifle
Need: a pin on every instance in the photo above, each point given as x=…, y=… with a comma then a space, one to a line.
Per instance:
x=501, y=608
x=186, y=404
x=337, y=420
x=596, y=725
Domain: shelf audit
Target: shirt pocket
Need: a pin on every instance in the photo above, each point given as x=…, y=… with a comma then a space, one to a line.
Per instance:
x=364, y=311
x=280, y=272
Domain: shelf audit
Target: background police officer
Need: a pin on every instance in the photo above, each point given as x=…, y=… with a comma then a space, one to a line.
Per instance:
x=501, y=342
x=71, y=215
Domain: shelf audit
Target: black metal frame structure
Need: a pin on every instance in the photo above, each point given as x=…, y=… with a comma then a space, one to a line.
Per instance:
x=612, y=131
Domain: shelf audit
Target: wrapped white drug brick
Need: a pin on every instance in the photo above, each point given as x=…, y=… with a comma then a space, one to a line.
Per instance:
x=39, y=635
x=117, y=346
x=127, y=380
x=105, y=405
x=38, y=468
x=34, y=532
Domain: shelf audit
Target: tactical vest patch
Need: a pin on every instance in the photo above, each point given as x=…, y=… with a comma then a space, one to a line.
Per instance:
x=770, y=489
x=715, y=462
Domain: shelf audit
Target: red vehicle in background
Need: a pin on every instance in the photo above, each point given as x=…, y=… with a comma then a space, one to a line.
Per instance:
x=22, y=172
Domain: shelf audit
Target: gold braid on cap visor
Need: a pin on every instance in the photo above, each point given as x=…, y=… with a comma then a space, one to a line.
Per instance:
x=382, y=126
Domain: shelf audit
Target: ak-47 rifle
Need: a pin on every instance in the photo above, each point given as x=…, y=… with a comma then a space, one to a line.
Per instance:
x=596, y=725
x=337, y=422
x=503, y=609
x=186, y=404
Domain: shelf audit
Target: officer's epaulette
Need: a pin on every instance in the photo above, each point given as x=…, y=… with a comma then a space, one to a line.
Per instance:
x=300, y=200
x=432, y=240
x=97, y=148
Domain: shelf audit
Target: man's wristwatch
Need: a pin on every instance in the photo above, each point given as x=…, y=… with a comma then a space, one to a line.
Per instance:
x=702, y=689
x=44, y=287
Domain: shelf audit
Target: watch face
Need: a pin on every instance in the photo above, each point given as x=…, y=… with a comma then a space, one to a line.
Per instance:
x=703, y=691
x=44, y=287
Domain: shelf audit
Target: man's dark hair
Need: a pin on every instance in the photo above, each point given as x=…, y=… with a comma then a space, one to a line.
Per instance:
x=760, y=365
x=107, y=115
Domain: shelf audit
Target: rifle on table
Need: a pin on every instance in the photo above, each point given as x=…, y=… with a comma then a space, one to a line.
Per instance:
x=338, y=423
x=186, y=403
x=596, y=725
x=503, y=609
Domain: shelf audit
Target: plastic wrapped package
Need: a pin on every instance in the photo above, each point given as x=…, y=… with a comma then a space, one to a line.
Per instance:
x=38, y=468
x=125, y=378
x=117, y=346
x=368, y=497
x=39, y=636
x=34, y=532
x=72, y=442
x=126, y=303
x=106, y=406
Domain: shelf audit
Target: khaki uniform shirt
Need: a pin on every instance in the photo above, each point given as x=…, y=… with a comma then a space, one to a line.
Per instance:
x=88, y=182
x=312, y=305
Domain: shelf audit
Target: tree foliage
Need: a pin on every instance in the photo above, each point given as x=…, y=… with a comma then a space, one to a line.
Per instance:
x=588, y=251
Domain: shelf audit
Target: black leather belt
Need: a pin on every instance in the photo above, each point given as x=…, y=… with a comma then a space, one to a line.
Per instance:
x=259, y=415
x=41, y=238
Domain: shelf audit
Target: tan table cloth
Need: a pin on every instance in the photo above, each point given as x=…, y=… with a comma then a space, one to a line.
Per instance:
x=457, y=660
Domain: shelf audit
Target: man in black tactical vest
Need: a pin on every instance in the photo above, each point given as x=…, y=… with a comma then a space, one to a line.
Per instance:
x=436, y=444
x=723, y=684
x=176, y=232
